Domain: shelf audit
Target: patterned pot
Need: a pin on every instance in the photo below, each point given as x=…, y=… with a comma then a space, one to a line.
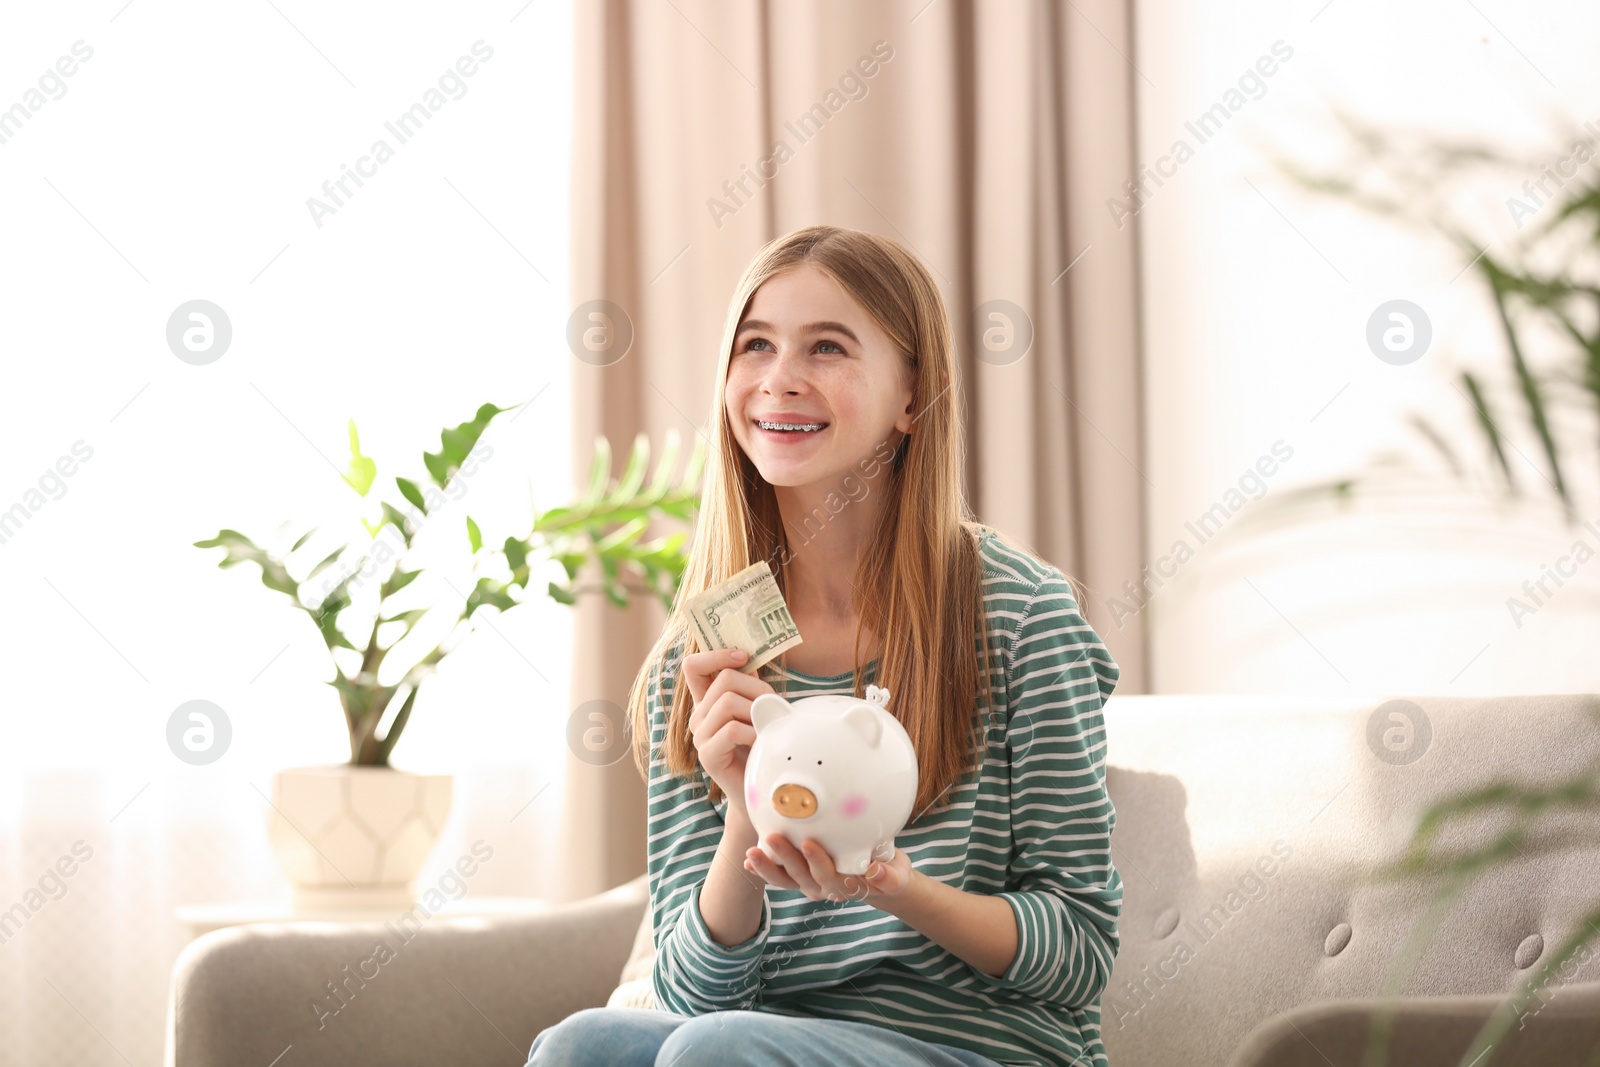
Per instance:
x=353, y=835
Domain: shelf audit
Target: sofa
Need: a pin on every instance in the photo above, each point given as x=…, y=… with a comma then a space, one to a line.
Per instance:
x=1254, y=932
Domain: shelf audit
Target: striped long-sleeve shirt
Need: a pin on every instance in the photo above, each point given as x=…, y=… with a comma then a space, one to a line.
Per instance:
x=1032, y=826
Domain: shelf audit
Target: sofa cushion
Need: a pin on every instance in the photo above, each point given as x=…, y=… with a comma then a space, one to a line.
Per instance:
x=635, y=989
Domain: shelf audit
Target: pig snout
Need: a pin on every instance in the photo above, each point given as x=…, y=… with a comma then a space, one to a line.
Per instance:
x=794, y=801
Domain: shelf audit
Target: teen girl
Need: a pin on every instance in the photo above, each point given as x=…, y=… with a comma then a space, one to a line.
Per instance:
x=988, y=938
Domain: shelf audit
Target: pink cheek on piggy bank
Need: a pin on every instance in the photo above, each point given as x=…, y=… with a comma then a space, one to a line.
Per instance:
x=752, y=796
x=853, y=805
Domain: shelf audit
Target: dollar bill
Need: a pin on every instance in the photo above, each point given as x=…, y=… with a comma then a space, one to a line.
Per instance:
x=746, y=611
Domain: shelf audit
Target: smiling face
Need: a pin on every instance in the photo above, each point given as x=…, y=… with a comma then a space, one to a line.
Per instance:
x=808, y=353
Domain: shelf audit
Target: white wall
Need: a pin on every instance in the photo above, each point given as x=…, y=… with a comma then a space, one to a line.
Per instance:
x=177, y=165
x=1256, y=303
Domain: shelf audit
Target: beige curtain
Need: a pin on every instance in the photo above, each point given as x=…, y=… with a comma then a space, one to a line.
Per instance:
x=989, y=138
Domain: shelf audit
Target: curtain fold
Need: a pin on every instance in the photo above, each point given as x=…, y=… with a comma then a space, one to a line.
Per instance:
x=986, y=137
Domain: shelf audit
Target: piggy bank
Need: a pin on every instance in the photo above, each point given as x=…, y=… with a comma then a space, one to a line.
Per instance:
x=838, y=769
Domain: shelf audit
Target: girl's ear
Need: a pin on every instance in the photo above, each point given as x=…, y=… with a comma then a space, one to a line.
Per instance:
x=767, y=709
x=862, y=721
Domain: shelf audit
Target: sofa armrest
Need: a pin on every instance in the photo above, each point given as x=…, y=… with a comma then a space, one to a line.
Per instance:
x=456, y=990
x=1559, y=1027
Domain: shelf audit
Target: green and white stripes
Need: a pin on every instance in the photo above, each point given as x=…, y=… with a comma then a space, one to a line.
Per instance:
x=1032, y=825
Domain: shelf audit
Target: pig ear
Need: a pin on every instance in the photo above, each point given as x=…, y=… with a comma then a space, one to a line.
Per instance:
x=767, y=709
x=864, y=722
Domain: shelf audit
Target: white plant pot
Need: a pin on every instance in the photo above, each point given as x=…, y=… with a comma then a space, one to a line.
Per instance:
x=355, y=836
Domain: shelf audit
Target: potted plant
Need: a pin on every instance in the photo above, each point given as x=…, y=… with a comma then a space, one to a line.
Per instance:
x=363, y=829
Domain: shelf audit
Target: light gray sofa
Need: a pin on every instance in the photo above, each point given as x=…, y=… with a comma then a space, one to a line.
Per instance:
x=1247, y=936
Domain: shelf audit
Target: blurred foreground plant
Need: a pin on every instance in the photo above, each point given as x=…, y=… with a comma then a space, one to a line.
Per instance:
x=1543, y=288
x=604, y=525
x=1529, y=810
x=1544, y=292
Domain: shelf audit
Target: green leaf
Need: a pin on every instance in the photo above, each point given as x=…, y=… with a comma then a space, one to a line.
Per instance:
x=331, y=636
x=474, y=535
x=275, y=576
x=303, y=539
x=398, y=581
x=409, y=490
x=1435, y=438
x=406, y=616
x=560, y=594
x=517, y=559
x=488, y=591
x=622, y=536
x=1529, y=386
x=228, y=539
x=599, y=471
x=240, y=549
x=362, y=470
x=326, y=617
x=516, y=553
x=401, y=523
x=438, y=468
x=633, y=473
x=616, y=594
x=326, y=563
x=326, y=614
x=456, y=443
x=1486, y=423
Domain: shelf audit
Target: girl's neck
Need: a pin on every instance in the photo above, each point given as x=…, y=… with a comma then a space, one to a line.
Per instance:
x=820, y=564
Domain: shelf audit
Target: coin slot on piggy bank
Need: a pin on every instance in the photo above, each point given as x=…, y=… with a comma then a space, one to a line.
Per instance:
x=838, y=769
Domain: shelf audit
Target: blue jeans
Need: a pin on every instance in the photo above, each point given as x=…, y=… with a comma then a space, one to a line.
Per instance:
x=637, y=1037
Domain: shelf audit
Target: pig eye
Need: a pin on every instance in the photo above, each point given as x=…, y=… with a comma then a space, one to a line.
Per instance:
x=819, y=763
x=789, y=757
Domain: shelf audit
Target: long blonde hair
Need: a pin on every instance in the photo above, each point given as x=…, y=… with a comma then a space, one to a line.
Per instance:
x=918, y=583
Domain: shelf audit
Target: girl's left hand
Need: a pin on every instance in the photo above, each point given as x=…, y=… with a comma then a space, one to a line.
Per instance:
x=810, y=869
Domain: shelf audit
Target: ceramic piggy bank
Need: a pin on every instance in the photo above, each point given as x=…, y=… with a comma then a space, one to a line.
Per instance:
x=835, y=768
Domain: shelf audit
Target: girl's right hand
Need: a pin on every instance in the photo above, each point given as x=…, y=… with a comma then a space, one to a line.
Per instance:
x=720, y=722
